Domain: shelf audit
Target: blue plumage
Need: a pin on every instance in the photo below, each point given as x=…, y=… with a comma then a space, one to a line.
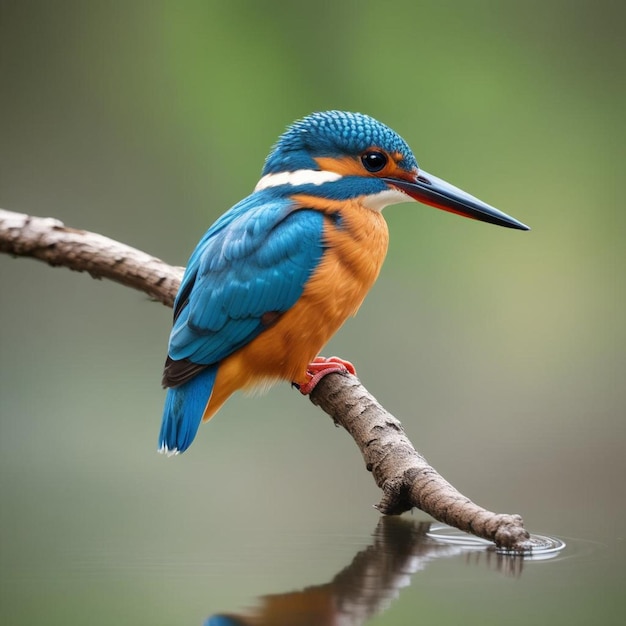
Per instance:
x=182, y=414
x=333, y=133
x=256, y=258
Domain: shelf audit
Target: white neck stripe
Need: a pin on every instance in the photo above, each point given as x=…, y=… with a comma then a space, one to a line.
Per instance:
x=298, y=177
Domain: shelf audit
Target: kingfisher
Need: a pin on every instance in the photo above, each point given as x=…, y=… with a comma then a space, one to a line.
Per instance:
x=275, y=276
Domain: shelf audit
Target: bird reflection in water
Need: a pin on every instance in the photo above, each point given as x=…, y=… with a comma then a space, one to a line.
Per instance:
x=370, y=583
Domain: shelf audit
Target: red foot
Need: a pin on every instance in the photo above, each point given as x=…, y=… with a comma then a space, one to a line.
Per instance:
x=321, y=367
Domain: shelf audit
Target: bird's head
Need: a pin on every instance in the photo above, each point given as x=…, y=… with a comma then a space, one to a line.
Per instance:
x=343, y=155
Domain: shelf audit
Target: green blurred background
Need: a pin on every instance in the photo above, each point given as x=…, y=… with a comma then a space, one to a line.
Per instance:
x=502, y=352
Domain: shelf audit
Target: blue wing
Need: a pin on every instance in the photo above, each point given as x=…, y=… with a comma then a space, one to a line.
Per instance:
x=255, y=259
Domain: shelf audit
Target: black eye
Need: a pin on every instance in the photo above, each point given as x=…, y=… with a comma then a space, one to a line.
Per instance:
x=374, y=161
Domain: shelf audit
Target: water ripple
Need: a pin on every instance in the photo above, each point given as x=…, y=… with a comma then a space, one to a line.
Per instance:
x=541, y=547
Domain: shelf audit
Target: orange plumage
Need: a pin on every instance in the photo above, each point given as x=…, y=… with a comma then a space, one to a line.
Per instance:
x=351, y=263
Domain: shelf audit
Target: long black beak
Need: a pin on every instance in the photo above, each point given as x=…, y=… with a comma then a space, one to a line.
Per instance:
x=438, y=193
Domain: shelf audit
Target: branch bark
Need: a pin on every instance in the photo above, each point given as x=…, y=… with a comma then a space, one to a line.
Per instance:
x=404, y=475
x=49, y=240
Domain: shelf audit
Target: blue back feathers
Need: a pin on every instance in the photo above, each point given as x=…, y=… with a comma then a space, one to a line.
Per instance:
x=256, y=258
x=333, y=133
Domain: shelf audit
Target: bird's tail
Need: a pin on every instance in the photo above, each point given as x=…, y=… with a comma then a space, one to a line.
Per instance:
x=184, y=408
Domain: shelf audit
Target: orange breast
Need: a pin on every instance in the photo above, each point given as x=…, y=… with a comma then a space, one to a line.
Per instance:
x=356, y=239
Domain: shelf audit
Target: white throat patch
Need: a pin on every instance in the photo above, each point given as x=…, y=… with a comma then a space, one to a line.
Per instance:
x=298, y=177
x=378, y=201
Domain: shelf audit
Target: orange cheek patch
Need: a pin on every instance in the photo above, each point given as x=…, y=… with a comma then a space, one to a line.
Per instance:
x=398, y=172
x=345, y=166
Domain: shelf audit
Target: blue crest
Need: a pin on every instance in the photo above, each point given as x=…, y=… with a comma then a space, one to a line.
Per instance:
x=333, y=134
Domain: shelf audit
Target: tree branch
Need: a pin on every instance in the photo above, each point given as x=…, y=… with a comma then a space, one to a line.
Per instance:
x=49, y=240
x=404, y=476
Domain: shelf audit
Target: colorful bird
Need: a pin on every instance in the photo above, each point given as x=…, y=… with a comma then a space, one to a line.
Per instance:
x=277, y=275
